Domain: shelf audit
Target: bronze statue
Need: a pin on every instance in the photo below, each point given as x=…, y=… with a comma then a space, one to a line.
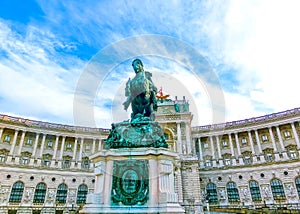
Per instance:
x=140, y=92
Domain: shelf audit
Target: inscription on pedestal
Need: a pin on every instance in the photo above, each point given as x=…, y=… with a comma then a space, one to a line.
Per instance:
x=130, y=182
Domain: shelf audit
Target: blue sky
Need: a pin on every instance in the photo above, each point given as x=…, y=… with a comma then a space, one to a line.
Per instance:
x=47, y=47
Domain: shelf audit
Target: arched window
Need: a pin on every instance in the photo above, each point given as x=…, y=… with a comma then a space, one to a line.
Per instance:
x=16, y=192
x=40, y=193
x=61, y=195
x=232, y=192
x=211, y=191
x=297, y=182
x=277, y=189
x=254, y=190
x=81, y=194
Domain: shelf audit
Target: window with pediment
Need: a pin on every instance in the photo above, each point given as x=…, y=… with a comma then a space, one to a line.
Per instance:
x=25, y=158
x=85, y=163
x=46, y=162
x=3, y=155
x=247, y=157
x=269, y=155
x=66, y=162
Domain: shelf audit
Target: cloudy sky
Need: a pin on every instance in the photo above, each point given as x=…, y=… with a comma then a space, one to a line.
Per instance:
x=68, y=61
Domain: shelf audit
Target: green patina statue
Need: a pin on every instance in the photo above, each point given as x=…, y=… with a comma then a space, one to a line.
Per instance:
x=140, y=92
x=142, y=130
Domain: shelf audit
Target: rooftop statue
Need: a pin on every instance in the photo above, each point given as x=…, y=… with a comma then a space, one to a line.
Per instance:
x=140, y=92
x=142, y=130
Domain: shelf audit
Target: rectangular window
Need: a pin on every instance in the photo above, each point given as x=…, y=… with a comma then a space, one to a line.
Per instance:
x=46, y=162
x=247, y=160
x=227, y=162
x=205, y=145
x=66, y=164
x=2, y=158
x=7, y=138
x=208, y=163
x=85, y=164
x=269, y=157
x=287, y=134
x=24, y=160
x=264, y=138
x=244, y=140
x=224, y=143
x=292, y=154
x=69, y=145
x=29, y=142
x=87, y=147
x=50, y=144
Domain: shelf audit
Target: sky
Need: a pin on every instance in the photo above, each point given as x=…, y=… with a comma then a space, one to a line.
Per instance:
x=68, y=61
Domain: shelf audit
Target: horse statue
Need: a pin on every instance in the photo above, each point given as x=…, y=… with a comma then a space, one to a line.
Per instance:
x=140, y=93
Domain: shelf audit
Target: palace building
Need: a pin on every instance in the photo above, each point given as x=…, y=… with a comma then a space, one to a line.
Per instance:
x=251, y=163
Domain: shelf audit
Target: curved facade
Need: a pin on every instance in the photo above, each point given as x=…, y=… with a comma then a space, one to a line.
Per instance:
x=252, y=162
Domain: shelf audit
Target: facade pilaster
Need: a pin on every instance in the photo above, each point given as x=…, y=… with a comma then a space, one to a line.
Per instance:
x=75, y=149
x=42, y=145
x=295, y=135
x=219, y=151
x=281, y=143
x=21, y=143
x=232, y=150
x=261, y=155
x=179, y=142
x=93, y=146
x=274, y=144
x=241, y=161
x=14, y=143
x=212, y=151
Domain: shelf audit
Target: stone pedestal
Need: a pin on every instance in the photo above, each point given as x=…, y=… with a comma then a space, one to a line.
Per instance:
x=139, y=180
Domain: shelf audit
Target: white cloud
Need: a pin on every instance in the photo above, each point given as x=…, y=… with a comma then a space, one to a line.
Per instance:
x=32, y=84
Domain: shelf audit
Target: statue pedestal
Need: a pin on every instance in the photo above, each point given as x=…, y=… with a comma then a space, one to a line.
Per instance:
x=139, y=180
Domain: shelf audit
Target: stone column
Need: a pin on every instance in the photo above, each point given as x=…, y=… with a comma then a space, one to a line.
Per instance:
x=93, y=147
x=219, y=151
x=295, y=135
x=232, y=150
x=21, y=143
x=55, y=152
x=261, y=155
x=252, y=147
x=42, y=145
x=274, y=144
x=214, y=163
x=179, y=142
x=153, y=182
x=200, y=152
x=1, y=132
x=108, y=182
x=14, y=143
x=281, y=143
x=81, y=149
x=100, y=144
x=188, y=139
x=200, y=149
x=241, y=161
x=35, y=144
x=62, y=147
x=75, y=149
